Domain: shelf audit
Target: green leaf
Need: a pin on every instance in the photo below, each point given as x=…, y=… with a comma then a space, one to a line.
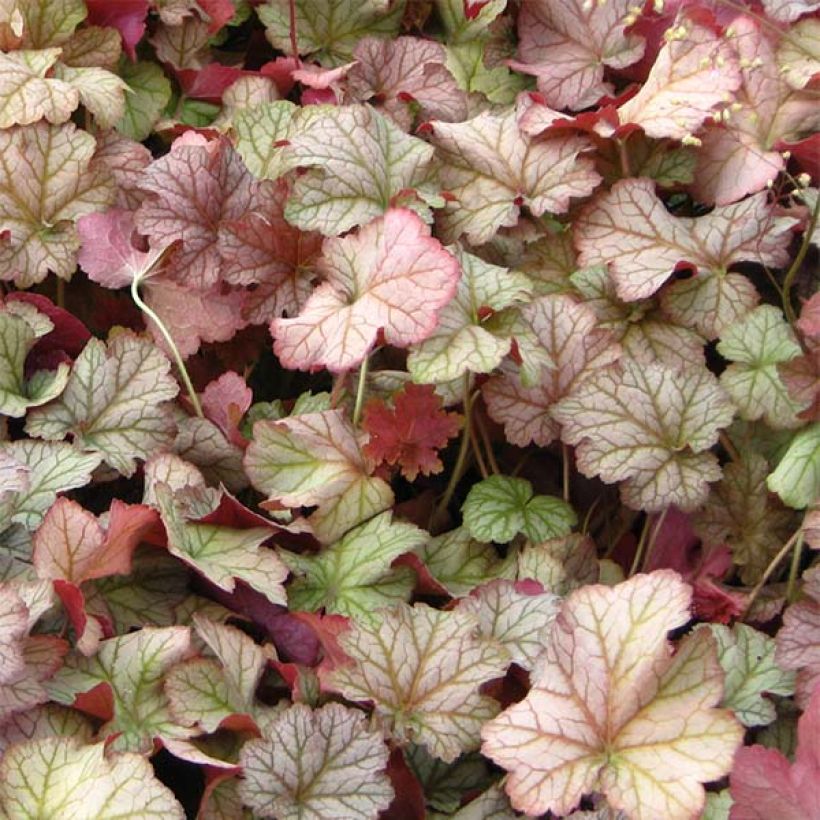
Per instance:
x=58, y=777
x=422, y=669
x=459, y=27
x=463, y=340
x=747, y=658
x=315, y=459
x=328, y=30
x=360, y=164
x=21, y=325
x=797, y=478
x=134, y=666
x=446, y=784
x=498, y=84
x=324, y=763
x=222, y=554
x=51, y=468
x=206, y=691
x=756, y=345
x=50, y=22
x=150, y=92
x=517, y=620
x=61, y=185
x=460, y=563
x=261, y=133
x=500, y=507
x=353, y=576
x=114, y=402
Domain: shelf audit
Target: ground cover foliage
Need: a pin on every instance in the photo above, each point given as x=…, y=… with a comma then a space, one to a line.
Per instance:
x=409, y=408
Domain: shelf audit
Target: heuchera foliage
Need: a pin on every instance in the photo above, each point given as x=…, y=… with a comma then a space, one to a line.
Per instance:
x=409, y=408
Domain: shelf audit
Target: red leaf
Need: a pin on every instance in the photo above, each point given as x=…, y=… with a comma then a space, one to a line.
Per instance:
x=68, y=336
x=409, y=802
x=765, y=785
x=410, y=433
x=127, y=16
x=220, y=12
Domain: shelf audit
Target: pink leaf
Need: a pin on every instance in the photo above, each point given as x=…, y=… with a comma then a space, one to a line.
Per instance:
x=600, y=717
x=127, y=16
x=567, y=45
x=194, y=316
x=629, y=229
x=219, y=13
x=391, y=276
x=197, y=185
x=225, y=401
x=765, y=785
x=742, y=155
x=108, y=253
x=125, y=160
x=798, y=641
x=392, y=73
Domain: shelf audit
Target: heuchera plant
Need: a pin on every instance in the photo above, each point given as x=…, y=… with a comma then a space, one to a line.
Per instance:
x=409, y=408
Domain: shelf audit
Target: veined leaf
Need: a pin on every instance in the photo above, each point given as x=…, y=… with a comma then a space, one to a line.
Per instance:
x=610, y=711
x=21, y=325
x=114, y=403
x=567, y=46
x=422, y=669
x=353, y=576
x=796, y=478
x=330, y=30
x=262, y=132
x=59, y=777
x=462, y=340
x=361, y=164
x=28, y=94
x=648, y=426
x=492, y=168
x=150, y=92
x=222, y=554
x=60, y=186
x=755, y=345
x=315, y=459
x=499, y=507
x=747, y=658
x=391, y=276
x=629, y=229
x=50, y=22
x=133, y=667
x=318, y=763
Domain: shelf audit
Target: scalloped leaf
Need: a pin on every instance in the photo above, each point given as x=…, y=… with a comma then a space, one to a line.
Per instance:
x=650, y=427
x=520, y=621
x=150, y=92
x=315, y=459
x=318, y=763
x=629, y=229
x=500, y=507
x=610, y=711
x=262, y=131
x=567, y=333
x=133, y=668
x=222, y=554
x=491, y=168
x=422, y=669
x=360, y=165
x=463, y=340
x=796, y=478
x=391, y=276
x=741, y=512
x=114, y=403
x=209, y=692
x=695, y=72
x=59, y=777
x=353, y=576
x=60, y=187
x=29, y=94
x=747, y=658
x=756, y=345
x=740, y=155
x=50, y=468
x=765, y=784
x=567, y=47
x=393, y=74
x=21, y=327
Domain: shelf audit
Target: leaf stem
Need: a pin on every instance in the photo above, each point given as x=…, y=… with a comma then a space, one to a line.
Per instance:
x=360, y=391
x=565, y=470
x=654, y=537
x=183, y=371
x=488, y=445
x=794, y=569
x=788, y=281
x=461, y=458
x=60, y=296
x=767, y=573
x=294, y=40
x=623, y=157
x=636, y=561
